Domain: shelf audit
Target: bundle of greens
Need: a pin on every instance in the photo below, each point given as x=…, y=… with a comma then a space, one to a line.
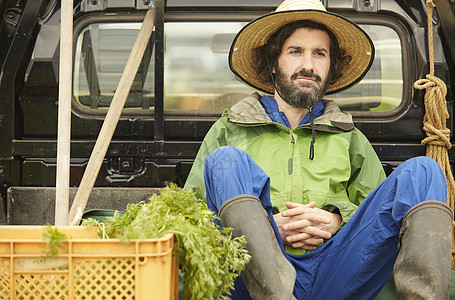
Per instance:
x=209, y=256
x=52, y=240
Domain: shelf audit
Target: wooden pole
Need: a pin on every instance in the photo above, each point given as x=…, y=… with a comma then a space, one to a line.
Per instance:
x=64, y=113
x=112, y=117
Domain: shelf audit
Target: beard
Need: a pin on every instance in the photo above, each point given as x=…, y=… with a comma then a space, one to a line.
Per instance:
x=293, y=94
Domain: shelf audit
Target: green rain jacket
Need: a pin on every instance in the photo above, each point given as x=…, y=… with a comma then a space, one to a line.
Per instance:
x=344, y=170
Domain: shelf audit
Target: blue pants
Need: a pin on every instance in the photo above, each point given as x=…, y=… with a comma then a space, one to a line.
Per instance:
x=355, y=263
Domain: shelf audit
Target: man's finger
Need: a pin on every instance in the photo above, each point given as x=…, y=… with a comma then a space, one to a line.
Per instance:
x=309, y=231
x=297, y=237
x=290, y=205
x=307, y=214
x=297, y=225
x=309, y=244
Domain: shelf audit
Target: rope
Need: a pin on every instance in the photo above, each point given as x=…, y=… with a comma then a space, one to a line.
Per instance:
x=434, y=122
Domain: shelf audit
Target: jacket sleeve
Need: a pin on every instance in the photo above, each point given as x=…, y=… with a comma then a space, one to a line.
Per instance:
x=366, y=174
x=214, y=139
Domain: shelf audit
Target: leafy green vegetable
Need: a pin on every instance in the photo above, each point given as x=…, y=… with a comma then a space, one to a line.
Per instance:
x=208, y=255
x=52, y=240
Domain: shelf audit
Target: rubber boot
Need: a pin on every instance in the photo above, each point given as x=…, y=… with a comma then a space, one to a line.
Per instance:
x=422, y=268
x=268, y=274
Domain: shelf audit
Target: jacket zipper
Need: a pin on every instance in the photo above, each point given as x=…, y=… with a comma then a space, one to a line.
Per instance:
x=291, y=159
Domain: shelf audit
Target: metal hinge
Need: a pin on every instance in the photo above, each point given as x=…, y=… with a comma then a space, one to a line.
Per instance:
x=12, y=16
x=367, y=5
x=124, y=169
x=99, y=5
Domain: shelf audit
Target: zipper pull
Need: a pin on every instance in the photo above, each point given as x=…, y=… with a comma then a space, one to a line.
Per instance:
x=291, y=160
x=290, y=166
x=313, y=134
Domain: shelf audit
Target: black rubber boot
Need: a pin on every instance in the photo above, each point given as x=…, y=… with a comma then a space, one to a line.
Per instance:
x=268, y=275
x=422, y=268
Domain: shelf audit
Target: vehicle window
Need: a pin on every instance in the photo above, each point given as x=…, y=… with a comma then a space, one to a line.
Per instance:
x=381, y=89
x=101, y=54
x=197, y=79
x=197, y=75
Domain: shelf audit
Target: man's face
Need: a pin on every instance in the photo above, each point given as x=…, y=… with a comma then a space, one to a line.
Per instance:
x=302, y=77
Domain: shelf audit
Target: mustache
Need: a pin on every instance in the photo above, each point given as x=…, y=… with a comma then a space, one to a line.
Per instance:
x=304, y=73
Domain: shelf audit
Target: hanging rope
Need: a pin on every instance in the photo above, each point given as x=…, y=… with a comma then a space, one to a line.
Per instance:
x=434, y=121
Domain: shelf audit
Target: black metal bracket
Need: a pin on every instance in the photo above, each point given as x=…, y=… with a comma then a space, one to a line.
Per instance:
x=447, y=18
x=159, y=70
x=13, y=69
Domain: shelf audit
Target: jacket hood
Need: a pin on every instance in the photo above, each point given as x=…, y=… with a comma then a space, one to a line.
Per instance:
x=249, y=112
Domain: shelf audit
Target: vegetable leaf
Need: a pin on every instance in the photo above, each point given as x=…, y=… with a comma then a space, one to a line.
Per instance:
x=52, y=240
x=209, y=256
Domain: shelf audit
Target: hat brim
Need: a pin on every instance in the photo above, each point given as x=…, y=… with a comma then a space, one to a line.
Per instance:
x=351, y=38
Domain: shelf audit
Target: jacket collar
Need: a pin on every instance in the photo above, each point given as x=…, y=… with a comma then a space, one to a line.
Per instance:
x=249, y=111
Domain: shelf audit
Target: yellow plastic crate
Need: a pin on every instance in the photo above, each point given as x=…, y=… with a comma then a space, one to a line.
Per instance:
x=87, y=268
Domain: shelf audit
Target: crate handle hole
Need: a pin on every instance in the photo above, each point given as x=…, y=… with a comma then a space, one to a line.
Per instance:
x=142, y=260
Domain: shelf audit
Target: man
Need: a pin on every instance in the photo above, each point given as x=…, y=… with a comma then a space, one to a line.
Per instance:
x=290, y=172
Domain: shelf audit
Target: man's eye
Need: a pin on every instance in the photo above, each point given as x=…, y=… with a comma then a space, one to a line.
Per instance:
x=320, y=54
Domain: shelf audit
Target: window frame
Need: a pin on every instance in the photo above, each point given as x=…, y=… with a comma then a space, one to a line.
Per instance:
x=359, y=116
x=79, y=26
x=407, y=57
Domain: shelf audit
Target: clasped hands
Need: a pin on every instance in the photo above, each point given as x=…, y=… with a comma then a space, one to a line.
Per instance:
x=305, y=226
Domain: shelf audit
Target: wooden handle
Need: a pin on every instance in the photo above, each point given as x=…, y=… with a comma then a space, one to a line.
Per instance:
x=64, y=113
x=112, y=117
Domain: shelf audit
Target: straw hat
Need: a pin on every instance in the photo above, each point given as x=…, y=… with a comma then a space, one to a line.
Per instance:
x=256, y=33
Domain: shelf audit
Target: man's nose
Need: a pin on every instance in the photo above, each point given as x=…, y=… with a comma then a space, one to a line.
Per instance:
x=306, y=63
